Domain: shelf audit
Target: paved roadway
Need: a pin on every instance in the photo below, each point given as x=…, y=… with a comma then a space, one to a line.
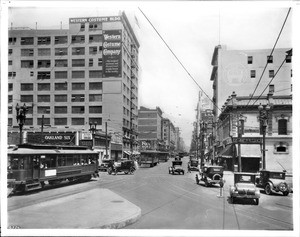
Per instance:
x=177, y=202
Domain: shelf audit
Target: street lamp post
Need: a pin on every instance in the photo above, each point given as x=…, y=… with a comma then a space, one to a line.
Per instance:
x=93, y=129
x=203, y=131
x=240, y=133
x=21, y=117
x=263, y=118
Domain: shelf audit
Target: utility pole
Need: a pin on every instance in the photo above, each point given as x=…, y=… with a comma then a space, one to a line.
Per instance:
x=239, y=144
x=106, y=140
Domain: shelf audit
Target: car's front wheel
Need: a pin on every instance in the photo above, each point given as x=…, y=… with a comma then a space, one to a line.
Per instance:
x=232, y=199
x=268, y=189
x=285, y=193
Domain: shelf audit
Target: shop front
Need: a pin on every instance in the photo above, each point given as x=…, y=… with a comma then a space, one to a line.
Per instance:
x=116, y=151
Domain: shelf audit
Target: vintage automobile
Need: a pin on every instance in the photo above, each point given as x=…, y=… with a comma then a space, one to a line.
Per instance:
x=105, y=165
x=193, y=165
x=176, y=167
x=244, y=187
x=273, y=181
x=126, y=166
x=211, y=174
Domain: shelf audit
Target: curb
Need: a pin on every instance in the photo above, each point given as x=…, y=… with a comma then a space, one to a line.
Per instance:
x=122, y=223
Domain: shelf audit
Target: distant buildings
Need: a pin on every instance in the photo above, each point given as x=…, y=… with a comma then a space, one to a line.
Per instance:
x=156, y=132
x=71, y=78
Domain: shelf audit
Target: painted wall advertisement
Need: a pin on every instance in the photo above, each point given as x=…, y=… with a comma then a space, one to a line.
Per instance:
x=112, y=53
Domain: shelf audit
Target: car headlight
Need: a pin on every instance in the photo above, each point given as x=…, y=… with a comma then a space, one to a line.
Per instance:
x=283, y=187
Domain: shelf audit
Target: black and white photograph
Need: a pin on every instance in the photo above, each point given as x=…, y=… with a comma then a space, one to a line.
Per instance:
x=149, y=118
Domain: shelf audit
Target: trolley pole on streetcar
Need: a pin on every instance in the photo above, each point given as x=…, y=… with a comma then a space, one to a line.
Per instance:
x=21, y=118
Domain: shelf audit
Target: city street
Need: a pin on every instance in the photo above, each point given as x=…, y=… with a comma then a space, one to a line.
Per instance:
x=176, y=201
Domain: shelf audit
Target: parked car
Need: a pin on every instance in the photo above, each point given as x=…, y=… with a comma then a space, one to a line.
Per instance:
x=126, y=166
x=176, y=167
x=105, y=165
x=193, y=165
x=211, y=174
x=244, y=187
x=273, y=181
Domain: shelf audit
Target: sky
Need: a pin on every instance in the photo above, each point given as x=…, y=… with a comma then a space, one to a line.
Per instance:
x=191, y=29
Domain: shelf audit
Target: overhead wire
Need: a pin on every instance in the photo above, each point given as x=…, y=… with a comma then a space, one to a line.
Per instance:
x=252, y=94
x=178, y=59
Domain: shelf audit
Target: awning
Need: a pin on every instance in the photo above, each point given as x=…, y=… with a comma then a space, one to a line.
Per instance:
x=250, y=150
x=127, y=152
x=227, y=152
x=136, y=153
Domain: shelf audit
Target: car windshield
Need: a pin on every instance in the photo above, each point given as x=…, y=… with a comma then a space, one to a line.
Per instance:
x=276, y=176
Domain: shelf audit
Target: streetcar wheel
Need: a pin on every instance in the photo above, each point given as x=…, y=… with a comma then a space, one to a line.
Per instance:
x=268, y=189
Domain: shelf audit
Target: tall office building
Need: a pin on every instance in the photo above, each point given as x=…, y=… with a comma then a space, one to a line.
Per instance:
x=71, y=78
x=241, y=70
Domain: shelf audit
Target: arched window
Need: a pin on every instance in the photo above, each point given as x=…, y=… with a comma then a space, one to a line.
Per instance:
x=282, y=127
x=281, y=147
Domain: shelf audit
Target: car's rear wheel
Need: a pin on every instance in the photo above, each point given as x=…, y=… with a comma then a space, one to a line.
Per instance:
x=206, y=183
x=257, y=201
x=268, y=189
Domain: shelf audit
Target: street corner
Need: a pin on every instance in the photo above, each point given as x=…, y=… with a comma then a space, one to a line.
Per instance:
x=93, y=209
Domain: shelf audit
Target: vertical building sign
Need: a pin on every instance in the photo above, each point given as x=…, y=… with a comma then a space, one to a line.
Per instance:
x=112, y=53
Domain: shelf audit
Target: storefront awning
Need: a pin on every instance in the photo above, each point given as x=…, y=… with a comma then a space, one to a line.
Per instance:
x=136, y=153
x=127, y=152
x=250, y=150
x=227, y=152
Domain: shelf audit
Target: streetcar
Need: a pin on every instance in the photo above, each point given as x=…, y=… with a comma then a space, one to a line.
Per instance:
x=149, y=157
x=30, y=166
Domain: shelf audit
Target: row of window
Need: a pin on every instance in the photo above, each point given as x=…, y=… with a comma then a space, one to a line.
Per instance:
x=57, y=98
x=47, y=40
x=271, y=73
x=282, y=127
x=59, y=63
x=63, y=110
x=57, y=86
x=29, y=52
x=288, y=59
x=61, y=121
x=42, y=75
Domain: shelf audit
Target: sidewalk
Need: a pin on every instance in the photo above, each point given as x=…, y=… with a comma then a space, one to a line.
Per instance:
x=97, y=208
